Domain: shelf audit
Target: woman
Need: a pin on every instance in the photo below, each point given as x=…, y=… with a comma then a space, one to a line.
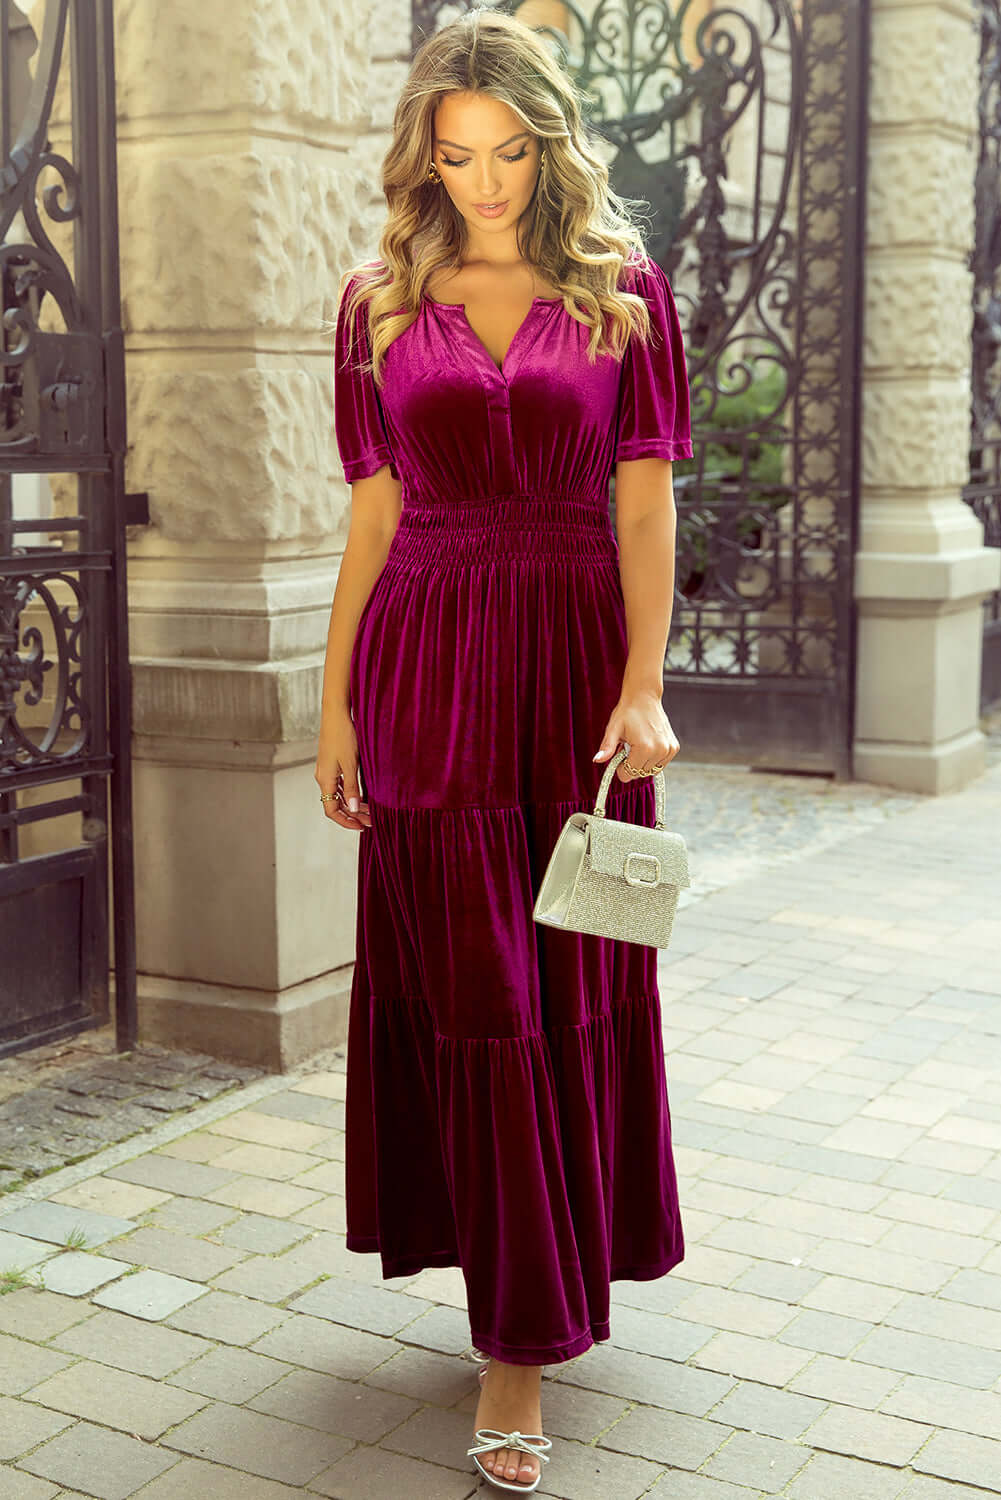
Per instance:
x=506, y=1097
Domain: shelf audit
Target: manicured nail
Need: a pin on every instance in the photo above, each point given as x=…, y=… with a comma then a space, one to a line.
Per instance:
x=353, y=803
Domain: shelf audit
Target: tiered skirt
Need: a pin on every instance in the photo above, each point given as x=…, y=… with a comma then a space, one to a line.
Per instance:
x=507, y=1106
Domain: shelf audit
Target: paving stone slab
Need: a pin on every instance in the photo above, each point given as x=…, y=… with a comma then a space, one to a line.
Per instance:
x=939, y=1359
x=963, y=1457
x=829, y=1476
x=676, y=1485
x=316, y=1344
x=188, y=1178
x=15, y=1484
x=175, y=1253
x=753, y=1459
x=945, y=1405
x=229, y=1374
x=846, y=1382
x=428, y=1377
x=665, y=1437
x=106, y=1195
x=862, y=1434
x=23, y=1365
x=149, y=1294
x=445, y=1329
x=23, y=1426
x=195, y=1478
x=17, y=1251
x=653, y=1333
x=924, y=1488
x=619, y=1372
x=55, y=1222
x=369, y=1473
x=765, y=1409
x=360, y=1306
x=762, y=1360
x=228, y=1319
x=75, y=1273
x=953, y=1321
x=102, y=1463
x=338, y=1406
x=826, y=1333
x=260, y=1234
x=263, y=1445
x=114, y=1338
x=33, y=1313
x=570, y=1411
x=116, y=1398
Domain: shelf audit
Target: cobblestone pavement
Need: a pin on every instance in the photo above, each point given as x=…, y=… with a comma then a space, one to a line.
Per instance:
x=183, y=1319
x=62, y=1102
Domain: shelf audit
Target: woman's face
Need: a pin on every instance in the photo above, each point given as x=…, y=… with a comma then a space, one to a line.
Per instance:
x=488, y=161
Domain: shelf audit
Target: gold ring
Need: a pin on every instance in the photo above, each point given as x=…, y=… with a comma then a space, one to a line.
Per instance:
x=636, y=770
x=328, y=796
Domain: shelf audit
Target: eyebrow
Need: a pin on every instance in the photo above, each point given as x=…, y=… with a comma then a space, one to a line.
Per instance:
x=443, y=142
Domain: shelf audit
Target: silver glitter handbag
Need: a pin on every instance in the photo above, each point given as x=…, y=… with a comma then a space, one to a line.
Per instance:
x=615, y=879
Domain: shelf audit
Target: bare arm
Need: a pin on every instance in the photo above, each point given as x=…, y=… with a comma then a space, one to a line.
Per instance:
x=646, y=527
x=375, y=512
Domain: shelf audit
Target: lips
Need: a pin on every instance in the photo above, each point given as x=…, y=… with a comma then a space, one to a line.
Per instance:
x=491, y=211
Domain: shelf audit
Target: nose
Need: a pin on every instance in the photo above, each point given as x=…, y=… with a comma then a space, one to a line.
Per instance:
x=487, y=180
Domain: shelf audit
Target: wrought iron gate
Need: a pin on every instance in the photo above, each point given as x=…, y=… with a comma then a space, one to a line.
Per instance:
x=983, y=492
x=744, y=132
x=64, y=685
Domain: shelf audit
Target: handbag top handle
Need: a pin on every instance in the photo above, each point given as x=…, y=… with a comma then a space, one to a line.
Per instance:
x=660, y=787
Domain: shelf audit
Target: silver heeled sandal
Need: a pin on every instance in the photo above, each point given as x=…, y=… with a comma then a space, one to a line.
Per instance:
x=532, y=1443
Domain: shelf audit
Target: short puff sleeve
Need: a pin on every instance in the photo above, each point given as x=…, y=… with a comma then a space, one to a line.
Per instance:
x=359, y=422
x=654, y=400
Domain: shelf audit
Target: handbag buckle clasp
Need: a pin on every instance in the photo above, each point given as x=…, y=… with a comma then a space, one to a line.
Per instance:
x=641, y=879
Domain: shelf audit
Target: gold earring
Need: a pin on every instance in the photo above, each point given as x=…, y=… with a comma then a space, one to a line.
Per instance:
x=543, y=156
x=433, y=173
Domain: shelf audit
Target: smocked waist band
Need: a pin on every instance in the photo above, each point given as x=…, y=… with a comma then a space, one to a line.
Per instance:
x=549, y=526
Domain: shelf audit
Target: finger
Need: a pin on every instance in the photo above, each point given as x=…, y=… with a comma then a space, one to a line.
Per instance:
x=354, y=821
x=609, y=745
x=351, y=792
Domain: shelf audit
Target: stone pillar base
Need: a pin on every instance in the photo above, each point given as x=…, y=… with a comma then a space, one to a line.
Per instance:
x=920, y=627
x=946, y=766
x=265, y=1028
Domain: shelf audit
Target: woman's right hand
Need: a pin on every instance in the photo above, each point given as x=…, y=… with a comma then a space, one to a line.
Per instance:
x=337, y=769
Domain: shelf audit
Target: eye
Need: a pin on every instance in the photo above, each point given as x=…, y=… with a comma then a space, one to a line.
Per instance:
x=447, y=160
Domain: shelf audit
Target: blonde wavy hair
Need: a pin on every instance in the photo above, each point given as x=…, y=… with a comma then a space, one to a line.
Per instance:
x=576, y=231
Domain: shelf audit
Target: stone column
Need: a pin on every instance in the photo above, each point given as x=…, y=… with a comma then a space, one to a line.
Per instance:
x=248, y=183
x=921, y=568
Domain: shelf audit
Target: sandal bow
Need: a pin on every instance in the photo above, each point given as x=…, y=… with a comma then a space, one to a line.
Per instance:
x=532, y=1443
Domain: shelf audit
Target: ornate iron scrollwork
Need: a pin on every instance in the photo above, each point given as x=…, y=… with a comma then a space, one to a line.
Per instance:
x=983, y=492
x=52, y=388
x=735, y=129
x=22, y=676
x=65, y=768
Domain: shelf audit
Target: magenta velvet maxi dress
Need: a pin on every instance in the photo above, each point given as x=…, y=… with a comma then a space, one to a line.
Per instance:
x=506, y=1106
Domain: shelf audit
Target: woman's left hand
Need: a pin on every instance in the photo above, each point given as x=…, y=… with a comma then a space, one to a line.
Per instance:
x=639, y=720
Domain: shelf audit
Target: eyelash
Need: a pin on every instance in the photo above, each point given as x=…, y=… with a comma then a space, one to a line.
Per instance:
x=450, y=163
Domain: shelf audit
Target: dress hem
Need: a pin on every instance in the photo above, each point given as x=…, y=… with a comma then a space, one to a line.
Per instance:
x=518, y=1354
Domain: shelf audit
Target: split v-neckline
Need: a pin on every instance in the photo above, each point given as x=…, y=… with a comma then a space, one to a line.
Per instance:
x=501, y=369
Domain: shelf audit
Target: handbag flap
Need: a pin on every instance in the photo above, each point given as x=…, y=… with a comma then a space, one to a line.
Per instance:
x=612, y=842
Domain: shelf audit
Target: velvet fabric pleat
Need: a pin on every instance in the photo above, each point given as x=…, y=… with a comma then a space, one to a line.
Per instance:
x=507, y=1107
